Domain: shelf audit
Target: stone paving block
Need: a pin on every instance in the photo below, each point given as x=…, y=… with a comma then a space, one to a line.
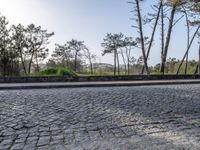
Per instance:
x=4, y=147
x=18, y=146
x=43, y=148
x=94, y=135
x=43, y=141
x=69, y=138
x=6, y=142
x=30, y=147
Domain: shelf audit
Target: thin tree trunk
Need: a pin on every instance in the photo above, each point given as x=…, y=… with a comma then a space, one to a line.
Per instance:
x=196, y=70
x=38, y=68
x=128, y=53
x=168, y=38
x=128, y=67
x=75, y=61
x=191, y=41
x=153, y=33
x=4, y=66
x=30, y=63
x=123, y=58
x=162, y=32
x=23, y=64
x=114, y=62
x=118, y=63
x=186, y=63
x=188, y=39
x=141, y=36
x=91, y=67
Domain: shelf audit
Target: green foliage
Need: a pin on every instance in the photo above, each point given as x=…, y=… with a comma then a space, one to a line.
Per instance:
x=49, y=71
x=70, y=53
x=172, y=65
x=57, y=72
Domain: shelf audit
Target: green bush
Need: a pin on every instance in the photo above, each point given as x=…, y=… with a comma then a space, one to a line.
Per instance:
x=57, y=72
x=49, y=71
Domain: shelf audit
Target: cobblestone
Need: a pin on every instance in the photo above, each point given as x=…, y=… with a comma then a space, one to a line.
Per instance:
x=119, y=118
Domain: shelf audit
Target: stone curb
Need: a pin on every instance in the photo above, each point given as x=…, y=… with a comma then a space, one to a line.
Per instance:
x=92, y=84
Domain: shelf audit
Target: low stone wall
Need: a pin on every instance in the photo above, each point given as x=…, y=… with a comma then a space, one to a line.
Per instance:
x=138, y=77
x=93, y=78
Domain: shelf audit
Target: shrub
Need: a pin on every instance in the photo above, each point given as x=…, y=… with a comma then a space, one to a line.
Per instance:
x=49, y=71
x=65, y=72
x=57, y=72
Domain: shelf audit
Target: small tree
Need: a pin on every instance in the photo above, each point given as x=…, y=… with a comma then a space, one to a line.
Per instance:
x=127, y=45
x=19, y=43
x=76, y=47
x=90, y=57
x=111, y=44
x=6, y=52
x=30, y=43
x=62, y=54
x=70, y=54
x=36, y=41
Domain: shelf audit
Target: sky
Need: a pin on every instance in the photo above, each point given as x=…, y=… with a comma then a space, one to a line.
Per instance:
x=89, y=21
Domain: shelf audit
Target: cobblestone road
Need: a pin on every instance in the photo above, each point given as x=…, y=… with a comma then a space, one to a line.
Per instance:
x=120, y=118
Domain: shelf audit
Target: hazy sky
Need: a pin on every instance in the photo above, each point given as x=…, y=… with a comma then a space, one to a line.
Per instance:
x=88, y=20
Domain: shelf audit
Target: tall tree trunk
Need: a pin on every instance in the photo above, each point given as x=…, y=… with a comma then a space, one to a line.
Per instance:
x=162, y=31
x=115, y=62
x=4, y=64
x=153, y=32
x=30, y=63
x=23, y=64
x=91, y=67
x=191, y=41
x=196, y=70
x=168, y=38
x=75, y=61
x=128, y=53
x=123, y=58
x=141, y=36
x=4, y=67
x=128, y=67
x=37, y=63
x=118, y=67
x=186, y=63
x=188, y=38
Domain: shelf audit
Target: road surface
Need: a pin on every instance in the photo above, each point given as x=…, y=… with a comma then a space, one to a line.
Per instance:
x=106, y=118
